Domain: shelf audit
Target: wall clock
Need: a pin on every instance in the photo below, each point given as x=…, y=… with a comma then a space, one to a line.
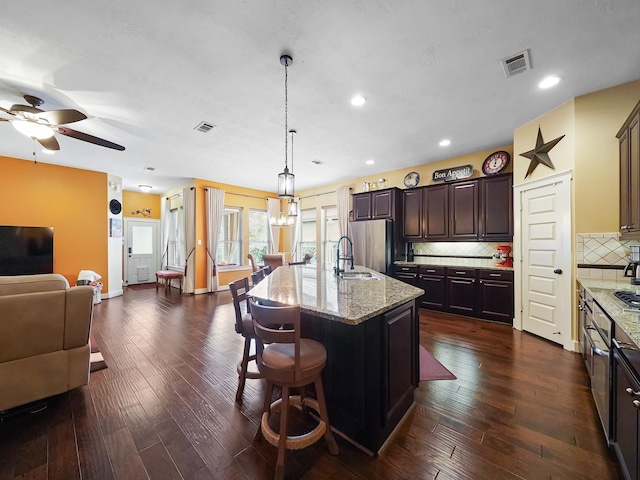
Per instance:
x=496, y=162
x=412, y=179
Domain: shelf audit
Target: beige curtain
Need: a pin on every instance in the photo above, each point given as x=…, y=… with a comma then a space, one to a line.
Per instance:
x=189, y=198
x=343, y=199
x=214, y=203
x=295, y=233
x=273, y=210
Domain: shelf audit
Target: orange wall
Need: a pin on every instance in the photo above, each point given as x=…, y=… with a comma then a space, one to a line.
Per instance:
x=72, y=201
x=132, y=201
x=234, y=197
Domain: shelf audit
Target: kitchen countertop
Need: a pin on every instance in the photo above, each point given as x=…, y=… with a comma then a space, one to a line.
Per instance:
x=319, y=292
x=602, y=292
x=458, y=264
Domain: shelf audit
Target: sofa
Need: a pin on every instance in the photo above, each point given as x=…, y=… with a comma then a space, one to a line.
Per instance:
x=44, y=337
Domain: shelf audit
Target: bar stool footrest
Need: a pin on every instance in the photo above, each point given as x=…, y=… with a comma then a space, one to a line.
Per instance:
x=295, y=442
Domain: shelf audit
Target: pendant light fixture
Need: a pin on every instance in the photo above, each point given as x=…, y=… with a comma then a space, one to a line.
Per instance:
x=292, y=207
x=286, y=180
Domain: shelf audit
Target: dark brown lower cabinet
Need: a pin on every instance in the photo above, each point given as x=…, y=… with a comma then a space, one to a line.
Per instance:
x=495, y=295
x=371, y=371
x=461, y=291
x=432, y=281
x=477, y=293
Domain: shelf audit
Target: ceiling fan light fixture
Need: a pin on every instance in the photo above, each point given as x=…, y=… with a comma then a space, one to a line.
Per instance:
x=32, y=129
x=145, y=188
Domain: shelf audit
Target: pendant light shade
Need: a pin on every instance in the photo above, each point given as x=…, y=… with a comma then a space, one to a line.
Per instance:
x=286, y=182
x=286, y=179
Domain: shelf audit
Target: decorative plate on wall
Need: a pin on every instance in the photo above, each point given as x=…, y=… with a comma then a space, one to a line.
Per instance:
x=412, y=179
x=115, y=207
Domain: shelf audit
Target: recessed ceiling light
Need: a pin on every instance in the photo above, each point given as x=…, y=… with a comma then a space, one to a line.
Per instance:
x=370, y=162
x=445, y=143
x=358, y=101
x=549, y=82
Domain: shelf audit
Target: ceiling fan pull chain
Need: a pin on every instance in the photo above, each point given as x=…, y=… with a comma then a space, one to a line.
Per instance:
x=33, y=143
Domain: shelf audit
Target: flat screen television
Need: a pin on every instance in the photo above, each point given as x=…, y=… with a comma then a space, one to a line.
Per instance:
x=26, y=250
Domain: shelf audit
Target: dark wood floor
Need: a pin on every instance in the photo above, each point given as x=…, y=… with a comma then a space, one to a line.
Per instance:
x=164, y=408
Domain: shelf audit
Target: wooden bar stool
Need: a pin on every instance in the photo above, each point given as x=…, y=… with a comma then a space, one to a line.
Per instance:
x=244, y=326
x=288, y=361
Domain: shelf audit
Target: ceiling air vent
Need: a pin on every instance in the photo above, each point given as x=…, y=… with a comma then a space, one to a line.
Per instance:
x=205, y=127
x=518, y=63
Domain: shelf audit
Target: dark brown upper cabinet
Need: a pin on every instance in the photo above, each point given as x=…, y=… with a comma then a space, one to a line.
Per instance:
x=379, y=204
x=496, y=208
x=463, y=210
x=629, y=138
x=472, y=210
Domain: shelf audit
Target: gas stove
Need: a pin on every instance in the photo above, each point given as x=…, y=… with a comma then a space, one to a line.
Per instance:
x=630, y=299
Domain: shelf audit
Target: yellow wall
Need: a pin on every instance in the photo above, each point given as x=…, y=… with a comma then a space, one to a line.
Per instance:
x=599, y=116
x=72, y=201
x=132, y=201
x=553, y=124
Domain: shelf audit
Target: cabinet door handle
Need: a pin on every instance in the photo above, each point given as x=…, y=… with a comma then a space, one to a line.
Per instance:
x=461, y=273
x=495, y=274
x=631, y=392
x=636, y=404
x=431, y=271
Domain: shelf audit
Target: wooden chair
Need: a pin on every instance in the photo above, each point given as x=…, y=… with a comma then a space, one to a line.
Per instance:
x=288, y=361
x=257, y=277
x=244, y=326
x=307, y=258
x=274, y=260
x=252, y=262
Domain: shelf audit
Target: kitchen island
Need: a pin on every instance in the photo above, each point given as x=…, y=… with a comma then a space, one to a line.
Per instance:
x=368, y=323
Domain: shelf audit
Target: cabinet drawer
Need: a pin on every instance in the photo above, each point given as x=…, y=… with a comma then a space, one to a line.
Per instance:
x=425, y=270
x=461, y=272
x=405, y=269
x=504, y=275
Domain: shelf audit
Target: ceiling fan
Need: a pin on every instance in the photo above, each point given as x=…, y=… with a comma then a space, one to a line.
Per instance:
x=41, y=125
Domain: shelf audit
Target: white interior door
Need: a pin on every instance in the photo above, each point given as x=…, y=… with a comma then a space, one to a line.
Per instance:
x=142, y=258
x=546, y=259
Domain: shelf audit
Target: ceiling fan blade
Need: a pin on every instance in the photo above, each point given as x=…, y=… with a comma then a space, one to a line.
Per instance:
x=25, y=108
x=49, y=143
x=88, y=138
x=4, y=120
x=57, y=117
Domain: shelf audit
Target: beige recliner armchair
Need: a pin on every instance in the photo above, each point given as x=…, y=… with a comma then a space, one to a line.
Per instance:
x=44, y=337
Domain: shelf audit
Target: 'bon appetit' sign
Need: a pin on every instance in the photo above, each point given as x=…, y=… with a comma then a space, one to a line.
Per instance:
x=454, y=173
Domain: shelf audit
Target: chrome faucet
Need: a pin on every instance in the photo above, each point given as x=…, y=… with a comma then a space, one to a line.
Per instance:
x=339, y=257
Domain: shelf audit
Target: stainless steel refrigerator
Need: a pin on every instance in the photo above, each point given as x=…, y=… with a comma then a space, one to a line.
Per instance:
x=373, y=244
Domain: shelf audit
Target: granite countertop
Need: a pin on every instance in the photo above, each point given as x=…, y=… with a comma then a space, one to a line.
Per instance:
x=602, y=292
x=319, y=292
x=483, y=265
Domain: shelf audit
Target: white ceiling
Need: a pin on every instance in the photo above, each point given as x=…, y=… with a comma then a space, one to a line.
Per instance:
x=147, y=74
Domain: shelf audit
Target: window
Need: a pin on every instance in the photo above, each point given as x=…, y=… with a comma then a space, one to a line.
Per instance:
x=330, y=234
x=307, y=243
x=230, y=240
x=258, y=233
x=175, y=247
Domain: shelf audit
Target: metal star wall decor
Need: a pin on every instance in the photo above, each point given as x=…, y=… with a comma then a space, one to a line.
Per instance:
x=540, y=154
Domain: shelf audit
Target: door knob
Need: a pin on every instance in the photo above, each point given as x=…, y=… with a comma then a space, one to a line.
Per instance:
x=558, y=271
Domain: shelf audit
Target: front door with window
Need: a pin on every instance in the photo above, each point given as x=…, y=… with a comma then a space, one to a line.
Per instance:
x=141, y=250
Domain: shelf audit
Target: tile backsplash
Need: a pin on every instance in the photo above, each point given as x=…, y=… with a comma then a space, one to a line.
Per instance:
x=477, y=254
x=602, y=249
